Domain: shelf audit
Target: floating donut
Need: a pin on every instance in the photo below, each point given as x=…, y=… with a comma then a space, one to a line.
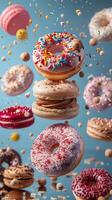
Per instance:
x=92, y=183
x=13, y=18
x=16, y=117
x=10, y=157
x=100, y=128
x=98, y=93
x=17, y=80
x=57, y=150
x=58, y=55
x=100, y=26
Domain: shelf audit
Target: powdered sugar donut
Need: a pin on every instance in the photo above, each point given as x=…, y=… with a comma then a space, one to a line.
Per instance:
x=17, y=80
x=92, y=183
x=57, y=150
x=100, y=26
x=98, y=93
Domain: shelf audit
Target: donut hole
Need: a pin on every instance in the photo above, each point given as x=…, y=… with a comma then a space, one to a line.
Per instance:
x=5, y=165
x=54, y=148
x=104, y=22
x=56, y=49
x=90, y=180
x=100, y=92
x=96, y=99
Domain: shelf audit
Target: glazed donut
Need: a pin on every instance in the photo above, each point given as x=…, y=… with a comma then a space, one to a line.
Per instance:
x=98, y=93
x=58, y=55
x=10, y=157
x=17, y=80
x=57, y=150
x=92, y=183
x=100, y=26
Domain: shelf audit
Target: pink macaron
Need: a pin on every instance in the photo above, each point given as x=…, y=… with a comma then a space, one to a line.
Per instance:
x=13, y=18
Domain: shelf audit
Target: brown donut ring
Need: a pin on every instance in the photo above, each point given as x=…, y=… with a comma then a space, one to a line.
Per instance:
x=10, y=157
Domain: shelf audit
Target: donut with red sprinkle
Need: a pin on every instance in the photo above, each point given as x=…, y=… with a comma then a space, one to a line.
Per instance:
x=16, y=117
x=91, y=184
x=58, y=55
x=57, y=150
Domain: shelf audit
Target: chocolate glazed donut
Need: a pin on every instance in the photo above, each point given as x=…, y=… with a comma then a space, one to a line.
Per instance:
x=8, y=157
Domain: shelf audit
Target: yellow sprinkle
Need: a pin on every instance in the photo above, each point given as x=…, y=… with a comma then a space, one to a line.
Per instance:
x=15, y=136
x=9, y=52
x=21, y=34
x=46, y=16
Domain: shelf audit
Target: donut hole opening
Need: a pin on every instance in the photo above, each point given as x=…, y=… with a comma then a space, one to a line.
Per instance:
x=100, y=92
x=89, y=181
x=54, y=148
x=56, y=49
x=104, y=22
x=5, y=165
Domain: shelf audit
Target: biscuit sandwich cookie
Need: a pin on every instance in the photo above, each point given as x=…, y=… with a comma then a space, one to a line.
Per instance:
x=18, y=177
x=100, y=128
x=55, y=99
x=16, y=117
x=13, y=18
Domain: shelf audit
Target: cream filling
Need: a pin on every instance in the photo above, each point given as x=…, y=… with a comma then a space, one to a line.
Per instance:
x=24, y=121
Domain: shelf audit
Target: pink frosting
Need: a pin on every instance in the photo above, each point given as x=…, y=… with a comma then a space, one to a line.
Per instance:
x=68, y=152
x=98, y=93
x=16, y=117
x=58, y=52
x=13, y=18
x=92, y=183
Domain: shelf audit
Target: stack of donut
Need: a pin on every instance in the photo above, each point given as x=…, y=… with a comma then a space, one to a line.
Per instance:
x=57, y=56
x=59, y=148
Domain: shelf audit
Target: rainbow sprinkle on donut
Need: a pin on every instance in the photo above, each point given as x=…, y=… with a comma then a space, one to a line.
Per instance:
x=58, y=50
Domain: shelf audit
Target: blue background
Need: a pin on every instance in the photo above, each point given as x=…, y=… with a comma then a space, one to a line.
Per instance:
x=101, y=65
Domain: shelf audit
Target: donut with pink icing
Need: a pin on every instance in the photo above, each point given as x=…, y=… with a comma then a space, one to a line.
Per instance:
x=58, y=55
x=91, y=184
x=98, y=93
x=57, y=150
